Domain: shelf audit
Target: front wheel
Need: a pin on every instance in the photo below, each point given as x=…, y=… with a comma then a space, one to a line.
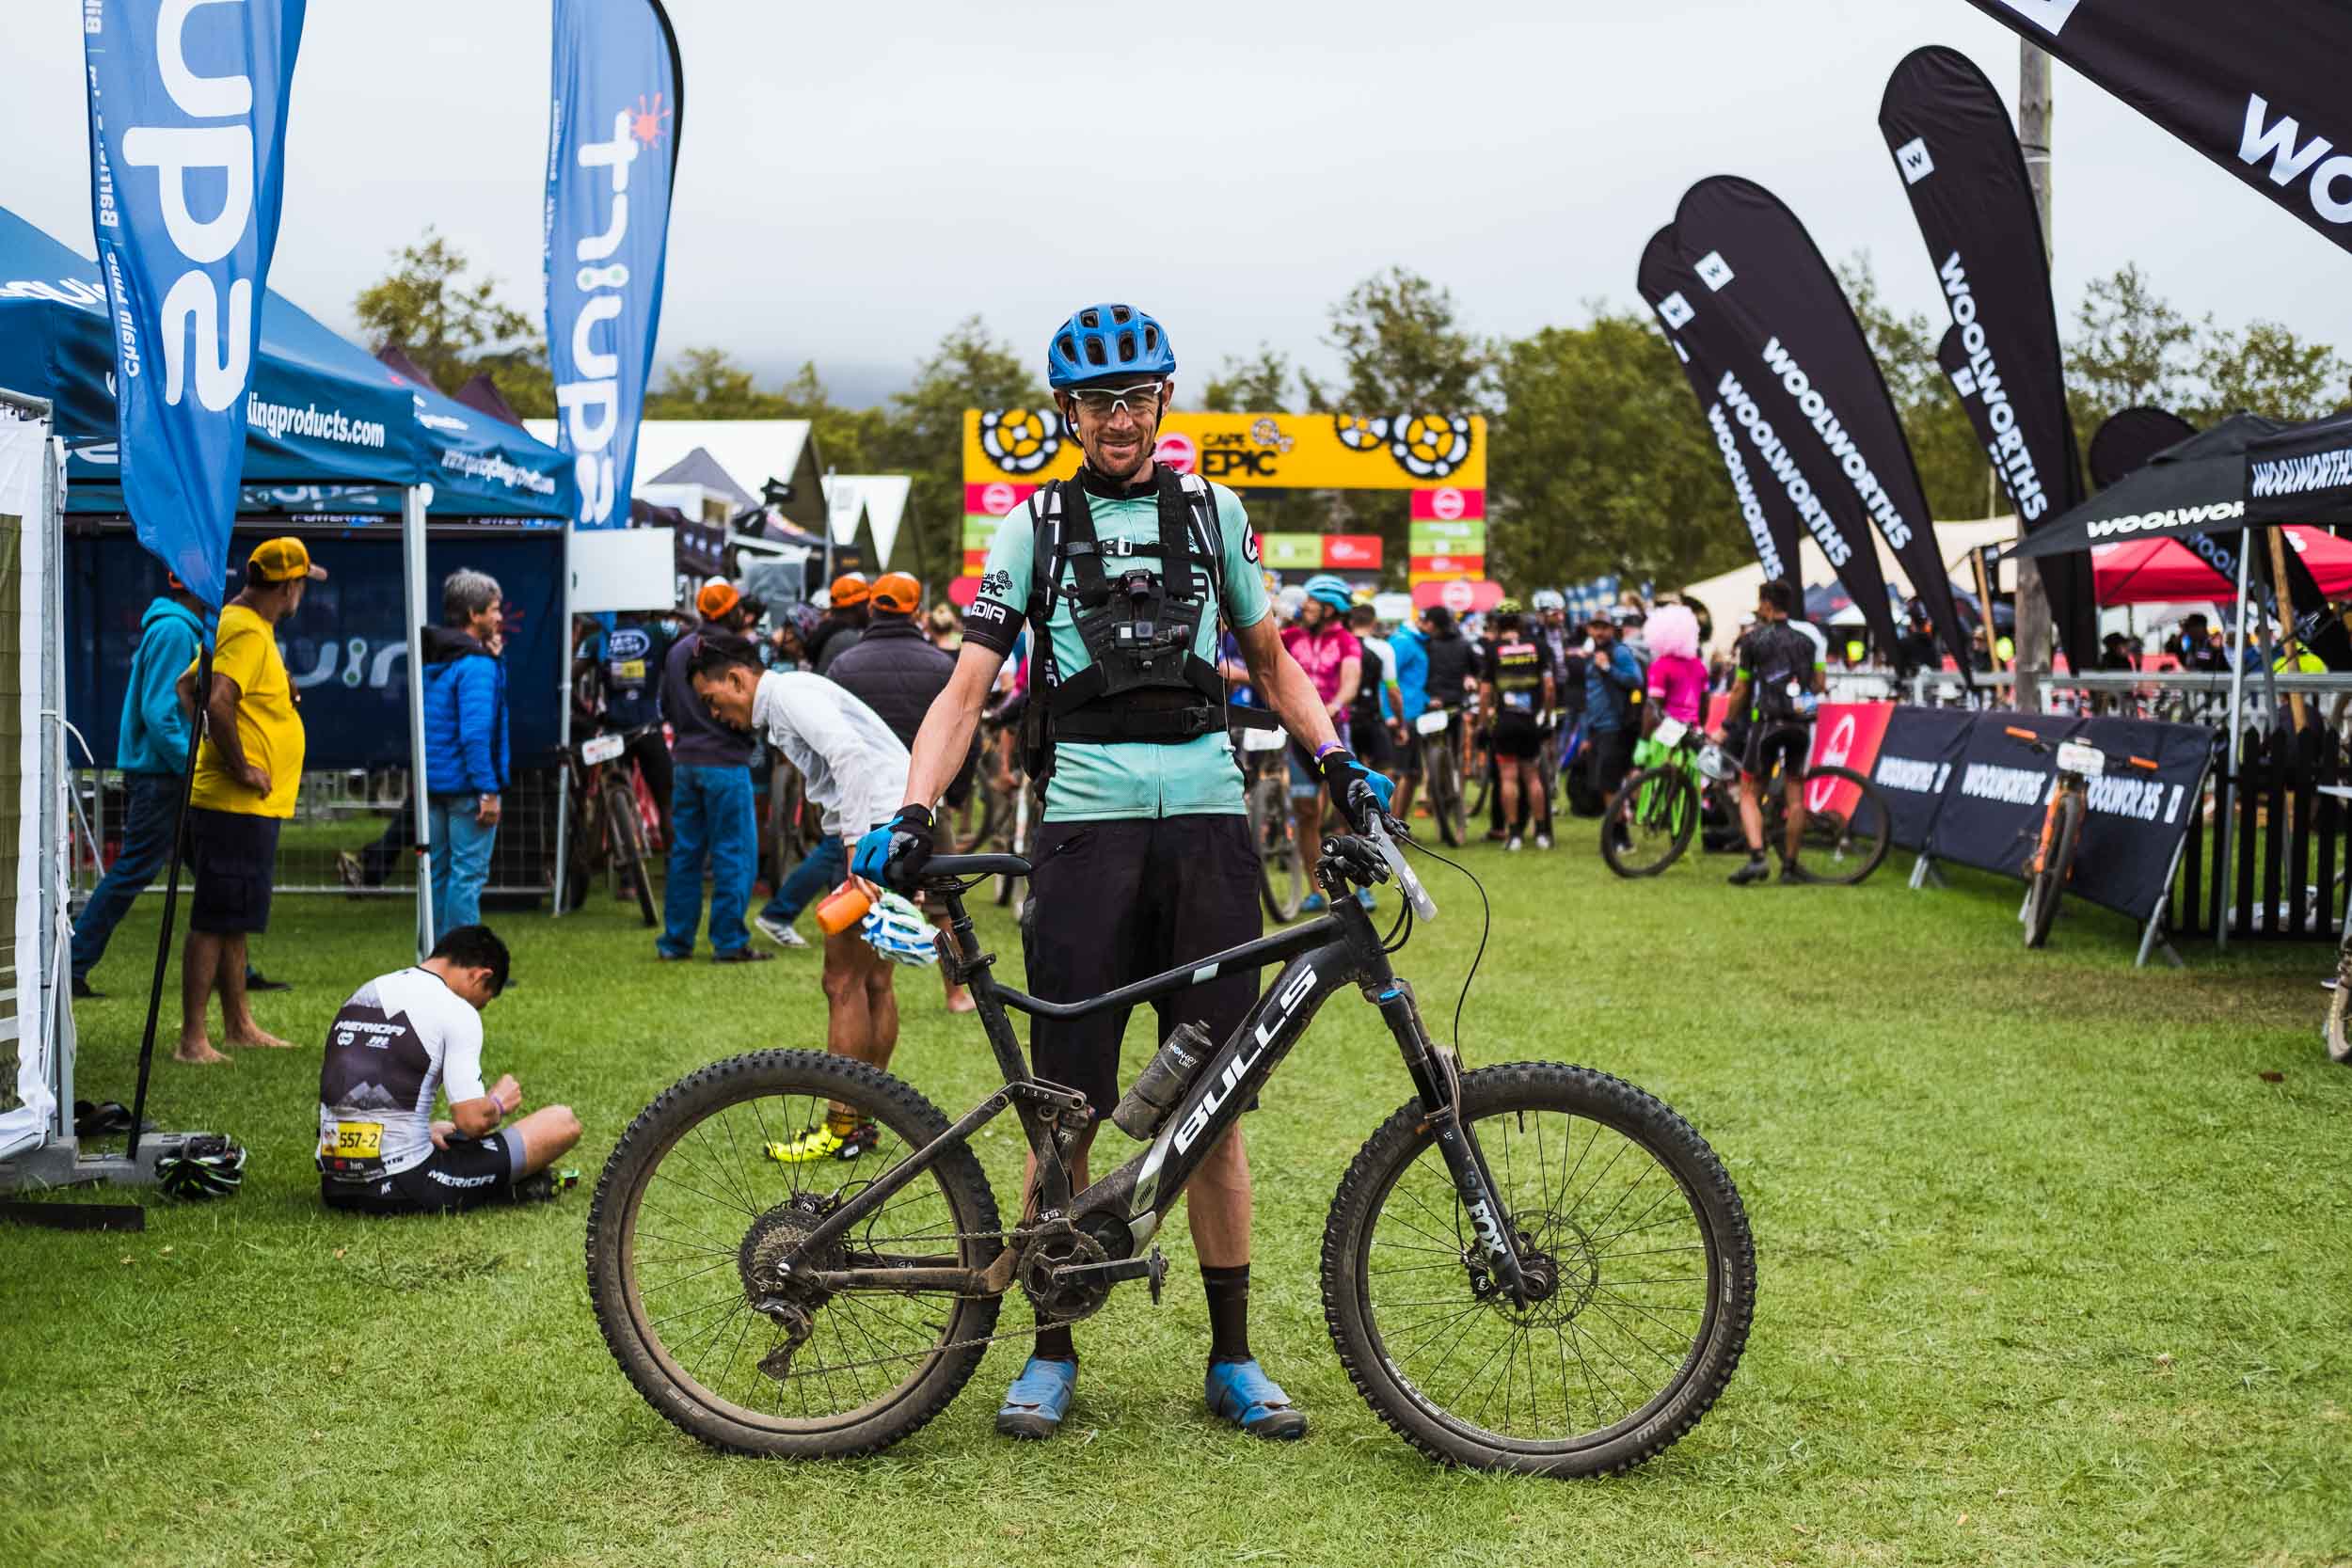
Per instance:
x=628, y=849
x=1642, y=1271
x=1442, y=777
x=713, y=1185
x=2048, y=882
x=1650, y=822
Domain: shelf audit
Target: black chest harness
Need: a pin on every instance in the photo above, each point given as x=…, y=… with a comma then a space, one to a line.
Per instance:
x=1142, y=680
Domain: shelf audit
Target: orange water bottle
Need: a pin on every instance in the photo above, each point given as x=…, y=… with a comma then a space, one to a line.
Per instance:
x=845, y=905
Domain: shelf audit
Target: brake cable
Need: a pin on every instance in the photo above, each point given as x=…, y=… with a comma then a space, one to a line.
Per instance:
x=1485, y=925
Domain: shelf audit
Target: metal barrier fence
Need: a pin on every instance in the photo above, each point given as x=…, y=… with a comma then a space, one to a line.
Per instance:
x=2274, y=860
x=353, y=832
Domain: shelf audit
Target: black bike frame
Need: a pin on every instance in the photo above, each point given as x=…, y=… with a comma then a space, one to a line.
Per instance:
x=1319, y=958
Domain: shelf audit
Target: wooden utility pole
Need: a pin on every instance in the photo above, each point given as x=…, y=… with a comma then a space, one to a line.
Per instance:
x=2033, y=603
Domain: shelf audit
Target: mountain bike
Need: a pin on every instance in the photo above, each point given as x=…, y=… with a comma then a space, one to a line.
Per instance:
x=1533, y=1267
x=1273, y=828
x=607, y=829
x=1656, y=813
x=2051, y=860
x=1442, y=774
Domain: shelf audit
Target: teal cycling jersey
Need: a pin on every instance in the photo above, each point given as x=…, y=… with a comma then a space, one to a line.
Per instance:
x=1100, y=782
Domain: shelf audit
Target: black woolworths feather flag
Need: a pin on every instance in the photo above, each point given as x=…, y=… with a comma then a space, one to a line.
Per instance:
x=1667, y=284
x=1965, y=176
x=2257, y=86
x=1795, y=345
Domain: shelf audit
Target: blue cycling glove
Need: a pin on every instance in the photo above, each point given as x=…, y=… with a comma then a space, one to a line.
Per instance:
x=894, y=853
x=1359, y=790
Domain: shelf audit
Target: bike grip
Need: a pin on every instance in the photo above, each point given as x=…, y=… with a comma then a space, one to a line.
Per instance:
x=2018, y=733
x=2148, y=763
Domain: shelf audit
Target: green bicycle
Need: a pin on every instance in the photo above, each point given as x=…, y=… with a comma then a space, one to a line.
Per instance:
x=1655, y=812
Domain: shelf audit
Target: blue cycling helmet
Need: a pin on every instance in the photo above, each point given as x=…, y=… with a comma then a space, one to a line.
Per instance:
x=1106, y=339
x=1333, y=591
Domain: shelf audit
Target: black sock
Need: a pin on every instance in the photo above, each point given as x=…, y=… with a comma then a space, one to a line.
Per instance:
x=1052, y=1344
x=1228, y=1312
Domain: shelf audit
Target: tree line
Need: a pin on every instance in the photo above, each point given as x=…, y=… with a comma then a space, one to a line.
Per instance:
x=1600, y=462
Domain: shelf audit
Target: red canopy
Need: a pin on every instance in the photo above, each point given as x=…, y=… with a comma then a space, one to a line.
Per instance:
x=2160, y=571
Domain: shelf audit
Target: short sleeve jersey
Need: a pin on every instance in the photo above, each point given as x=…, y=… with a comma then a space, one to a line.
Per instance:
x=1126, y=778
x=401, y=1037
x=631, y=656
x=1323, y=654
x=1515, y=666
x=1773, y=656
x=267, y=724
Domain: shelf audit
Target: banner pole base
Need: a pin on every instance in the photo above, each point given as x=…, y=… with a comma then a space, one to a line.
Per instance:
x=1923, y=874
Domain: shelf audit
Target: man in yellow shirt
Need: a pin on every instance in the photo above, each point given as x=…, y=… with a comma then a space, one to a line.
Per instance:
x=247, y=771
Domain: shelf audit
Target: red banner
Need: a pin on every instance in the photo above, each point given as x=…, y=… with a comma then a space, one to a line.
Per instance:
x=1462, y=595
x=962, y=591
x=1448, y=504
x=1461, y=565
x=1352, y=552
x=1846, y=735
x=996, y=498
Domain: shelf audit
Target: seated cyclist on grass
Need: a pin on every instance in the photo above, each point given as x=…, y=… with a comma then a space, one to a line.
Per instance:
x=402, y=1039
x=1144, y=860
x=1780, y=676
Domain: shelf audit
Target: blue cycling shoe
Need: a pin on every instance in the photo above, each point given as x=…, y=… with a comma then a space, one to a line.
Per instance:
x=1038, y=1399
x=1314, y=903
x=1240, y=1392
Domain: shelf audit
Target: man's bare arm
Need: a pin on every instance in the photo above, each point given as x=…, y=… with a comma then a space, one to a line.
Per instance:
x=946, y=737
x=1282, y=684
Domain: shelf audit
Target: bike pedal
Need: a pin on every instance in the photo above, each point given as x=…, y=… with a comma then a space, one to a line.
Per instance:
x=1155, y=1271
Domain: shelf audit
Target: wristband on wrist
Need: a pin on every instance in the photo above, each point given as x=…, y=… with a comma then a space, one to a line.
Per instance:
x=1326, y=748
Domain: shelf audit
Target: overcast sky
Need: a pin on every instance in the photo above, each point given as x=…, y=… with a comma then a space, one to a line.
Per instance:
x=856, y=178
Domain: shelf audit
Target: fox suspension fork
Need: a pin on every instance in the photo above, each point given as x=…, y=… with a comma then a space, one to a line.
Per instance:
x=1438, y=1082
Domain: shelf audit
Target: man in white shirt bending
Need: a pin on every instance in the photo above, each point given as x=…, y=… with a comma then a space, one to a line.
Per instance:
x=402, y=1038
x=854, y=770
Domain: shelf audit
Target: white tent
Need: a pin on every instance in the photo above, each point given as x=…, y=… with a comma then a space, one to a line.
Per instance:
x=749, y=453
x=880, y=499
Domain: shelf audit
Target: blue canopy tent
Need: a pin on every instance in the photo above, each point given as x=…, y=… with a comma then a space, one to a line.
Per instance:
x=334, y=439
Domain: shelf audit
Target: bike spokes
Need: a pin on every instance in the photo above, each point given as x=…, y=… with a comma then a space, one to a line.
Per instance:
x=1618, y=1281
x=736, y=1191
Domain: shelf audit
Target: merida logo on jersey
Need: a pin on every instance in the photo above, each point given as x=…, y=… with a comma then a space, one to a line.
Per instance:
x=2331, y=191
x=2008, y=448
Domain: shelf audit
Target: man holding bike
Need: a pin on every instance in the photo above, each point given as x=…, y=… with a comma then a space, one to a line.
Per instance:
x=1144, y=858
x=1779, y=681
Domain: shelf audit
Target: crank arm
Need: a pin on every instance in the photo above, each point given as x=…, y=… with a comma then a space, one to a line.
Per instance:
x=1151, y=1267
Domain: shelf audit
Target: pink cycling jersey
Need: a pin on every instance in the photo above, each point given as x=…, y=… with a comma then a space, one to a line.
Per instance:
x=1322, y=654
x=1678, y=684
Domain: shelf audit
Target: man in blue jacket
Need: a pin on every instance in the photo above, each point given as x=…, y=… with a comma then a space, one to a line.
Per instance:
x=465, y=744
x=151, y=748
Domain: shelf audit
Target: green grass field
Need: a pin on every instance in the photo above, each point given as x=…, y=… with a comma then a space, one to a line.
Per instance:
x=2050, y=1272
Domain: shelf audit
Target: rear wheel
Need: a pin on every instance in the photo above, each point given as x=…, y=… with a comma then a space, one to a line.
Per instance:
x=628, y=849
x=1650, y=822
x=1846, y=838
x=693, y=1211
x=1641, y=1268
x=2047, y=884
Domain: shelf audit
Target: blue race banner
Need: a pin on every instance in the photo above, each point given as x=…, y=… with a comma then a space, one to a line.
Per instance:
x=612, y=153
x=188, y=127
